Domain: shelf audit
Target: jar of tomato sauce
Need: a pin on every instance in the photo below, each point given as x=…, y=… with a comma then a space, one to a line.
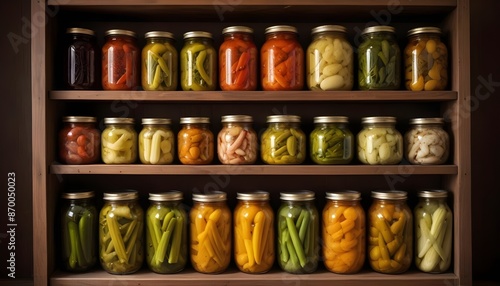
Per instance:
x=120, y=60
x=79, y=140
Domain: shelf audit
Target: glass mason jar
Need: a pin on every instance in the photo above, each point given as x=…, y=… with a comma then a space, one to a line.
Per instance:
x=198, y=62
x=344, y=231
x=329, y=61
x=390, y=239
x=156, y=141
x=237, y=140
x=433, y=231
x=238, y=59
x=426, y=142
x=210, y=220
x=283, y=142
x=120, y=61
x=379, y=59
x=253, y=232
x=78, y=231
x=426, y=60
x=121, y=227
x=119, y=141
x=331, y=141
x=379, y=142
x=166, y=233
x=159, y=62
x=79, y=140
x=81, y=60
x=195, y=141
x=282, y=59
x=298, y=232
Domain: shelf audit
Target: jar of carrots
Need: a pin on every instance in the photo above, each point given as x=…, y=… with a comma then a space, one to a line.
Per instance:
x=282, y=59
x=120, y=60
x=195, y=141
x=238, y=59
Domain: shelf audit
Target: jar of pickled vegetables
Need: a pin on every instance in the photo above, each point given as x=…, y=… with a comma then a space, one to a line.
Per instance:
x=379, y=59
x=329, y=61
x=156, y=141
x=390, y=239
x=282, y=59
x=119, y=141
x=195, y=141
x=78, y=231
x=198, y=62
x=120, y=61
x=379, y=142
x=210, y=220
x=283, y=142
x=331, y=141
x=426, y=60
x=79, y=140
x=426, y=142
x=433, y=231
x=253, y=232
x=82, y=59
x=121, y=225
x=238, y=59
x=166, y=233
x=159, y=61
x=298, y=232
x=237, y=140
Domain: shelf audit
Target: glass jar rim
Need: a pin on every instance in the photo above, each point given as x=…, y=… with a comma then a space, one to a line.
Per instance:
x=78, y=195
x=378, y=119
x=166, y=196
x=331, y=119
x=281, y=28
x=215, y=196
x=304, y=195
x=78, y=119
x=377, y=29
x=236, y=118
x=390, y=195
x=118, y=120
x=283, y=118
x=347, y=195
x=237, y=29
x=420, y=121
x=424, y=30
x=156, y=121
x=83, y=31
x=197, y=34
x=433, y=194
x=328, y=28
x=114, y=32
x=124, y=195
x=188, y=120
x=159, y=34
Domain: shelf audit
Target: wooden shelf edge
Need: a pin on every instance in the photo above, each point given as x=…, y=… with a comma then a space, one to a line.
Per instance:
x=297, y=170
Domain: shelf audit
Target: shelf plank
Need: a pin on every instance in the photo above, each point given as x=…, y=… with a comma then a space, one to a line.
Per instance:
x=260, y=96
x=298, y=170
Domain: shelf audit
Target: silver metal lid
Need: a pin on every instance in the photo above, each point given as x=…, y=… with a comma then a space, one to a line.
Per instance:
x=304, y=195
x=187, y=120
x=331, y=119
x=237, y=29
x=283, y=118
x=328, y=28
x=83, y=119
x=166, y=196
x=197, y=34
x=80, y=31
x=152, y=121
x=377, y=29
x=432, y=194
x=419, y=121
x=390, y=195
x=121, y=196
x=78, y=195
x=159, y=34
x=120, y=32
x=236, y=118
x=280, y=28
x=344, y=196
x=216, y=196
x=424, y=30
x=378, y=119
x=253, y=196
x=118, y=120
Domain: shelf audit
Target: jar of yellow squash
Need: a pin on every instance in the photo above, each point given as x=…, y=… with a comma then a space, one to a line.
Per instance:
x=156, y=141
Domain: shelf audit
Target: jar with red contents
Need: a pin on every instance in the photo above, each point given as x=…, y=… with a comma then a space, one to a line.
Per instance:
x=79, y=140
x=120, y=61
x=282, y=59
x=238, y=59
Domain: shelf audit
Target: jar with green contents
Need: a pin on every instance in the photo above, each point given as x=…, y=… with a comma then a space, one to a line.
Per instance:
x=379, y=59
x=121, y=225
x=379, y=142
x=166, y=233
x=283, y=142
x=78, y=231
x=198, y=62
x=433, y=231
x=298, y=232
x=156, y=141
x=159, y=62
x=119, y=141
x=331, y=141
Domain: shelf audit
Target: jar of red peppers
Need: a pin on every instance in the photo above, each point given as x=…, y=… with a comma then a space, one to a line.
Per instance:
x=282, y=59
x=238, y=59
x=79, y=140
x=120, y=60
x=81, y=60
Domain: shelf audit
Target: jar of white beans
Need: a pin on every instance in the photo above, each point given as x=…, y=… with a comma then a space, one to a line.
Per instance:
x=426, y=142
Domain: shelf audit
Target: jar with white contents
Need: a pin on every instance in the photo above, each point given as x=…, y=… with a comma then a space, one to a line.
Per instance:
x=237, y=140
x=426, y=142
x=379, y=142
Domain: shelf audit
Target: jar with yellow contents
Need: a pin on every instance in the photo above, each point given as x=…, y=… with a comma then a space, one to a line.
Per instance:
x=283, y=142
x=156, y=141
x=119, y=141
x=195, y=141
x=159, y=61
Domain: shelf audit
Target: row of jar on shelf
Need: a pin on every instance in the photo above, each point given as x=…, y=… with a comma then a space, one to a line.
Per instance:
x=327, y=64
x=283, y=142
x=390, y=235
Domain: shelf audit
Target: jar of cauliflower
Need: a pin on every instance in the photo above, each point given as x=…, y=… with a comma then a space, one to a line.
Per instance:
x=426, y=142
x=379, y=142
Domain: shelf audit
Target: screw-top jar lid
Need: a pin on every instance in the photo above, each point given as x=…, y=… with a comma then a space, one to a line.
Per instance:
x=118, y=120
x=424, y=30
x=120, y=32
x=280, y=28
x=419, y=121
x=328, y=28
x=148, y=121
x=197, y=34
x=166, y=196
x=376, y=29
x=253, y=196
x=237, y=29
x=331, y=119
x=390, y=195
x=378, y=119
x=236, y=118
x=297, y=196
x=344, y=196
x=192, y=120
x=78, y=195
x=84, y=119
x=121, y=196
x=159, y=34
x=283, y=118
x=433, y=194
x=80, y=31
x=216, y=196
